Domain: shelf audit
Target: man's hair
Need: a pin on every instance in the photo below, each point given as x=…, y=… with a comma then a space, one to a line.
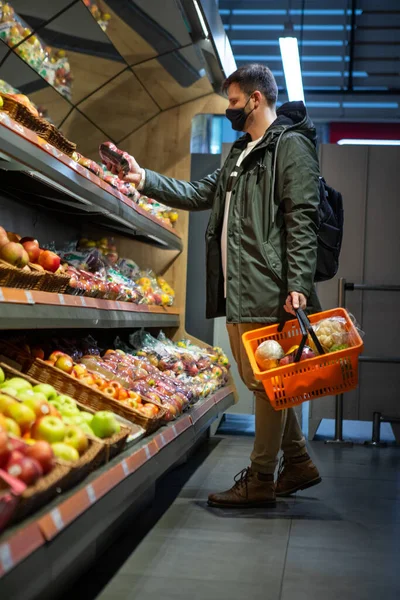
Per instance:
x=254, y=77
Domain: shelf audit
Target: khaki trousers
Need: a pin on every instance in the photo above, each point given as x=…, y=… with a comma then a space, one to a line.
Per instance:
x=275, y=430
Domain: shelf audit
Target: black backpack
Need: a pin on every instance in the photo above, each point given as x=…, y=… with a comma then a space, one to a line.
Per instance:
x=330, y=233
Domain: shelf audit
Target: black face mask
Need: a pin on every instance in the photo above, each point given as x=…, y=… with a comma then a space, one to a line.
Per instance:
x=238, y=116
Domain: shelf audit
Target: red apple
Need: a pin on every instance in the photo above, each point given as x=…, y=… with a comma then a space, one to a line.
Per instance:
x=43, y=453
x=55, y=355
x=49, y=261
x=18, y=445
x=32, y=248
x=5, y=449
x=64, y=363
x=14, y=254
x=26, y=469
x=3, y=237
x=15, y=457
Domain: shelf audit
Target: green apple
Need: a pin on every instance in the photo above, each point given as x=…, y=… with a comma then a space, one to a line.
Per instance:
x=23, y=394
x=104, y=424
x=9, y=391
x=47, y=390
x=17, y=383
x=67, y=406
x=2, y=376
x=5, y=401
x=12, y=427
x=37, y=402
x=65, y=452
x=85, y=417
x=85, y=428
x=75, y=437
x=49, y=428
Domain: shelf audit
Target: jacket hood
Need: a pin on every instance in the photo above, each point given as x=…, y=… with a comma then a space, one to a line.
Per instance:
x=291, y=115
x=295, y=116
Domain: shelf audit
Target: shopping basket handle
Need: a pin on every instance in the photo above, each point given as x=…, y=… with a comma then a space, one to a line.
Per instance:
x=306, y=328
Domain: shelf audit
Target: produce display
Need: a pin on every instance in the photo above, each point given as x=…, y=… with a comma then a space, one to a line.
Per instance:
x=331, y=333
x=40, y=413
x=103, y=18
x=51, y=64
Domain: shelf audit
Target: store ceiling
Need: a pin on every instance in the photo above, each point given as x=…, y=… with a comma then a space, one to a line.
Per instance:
x=350, y=51
x=142, y=61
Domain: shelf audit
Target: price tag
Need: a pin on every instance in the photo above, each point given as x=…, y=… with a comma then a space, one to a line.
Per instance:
x=57, y=519
x=1, y=295
x=91, y=493
x=6, y=559
x=61, y=298
x=29, y=297
x=163, y=439
x=147, y=452
x=83, y=301
x=174, y=430
x=125, y=468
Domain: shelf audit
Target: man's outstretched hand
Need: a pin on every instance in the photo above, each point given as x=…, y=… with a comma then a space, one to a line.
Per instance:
x=134, y=174
x=294, y=301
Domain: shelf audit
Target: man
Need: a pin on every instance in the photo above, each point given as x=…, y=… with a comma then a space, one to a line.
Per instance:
x=261, y=256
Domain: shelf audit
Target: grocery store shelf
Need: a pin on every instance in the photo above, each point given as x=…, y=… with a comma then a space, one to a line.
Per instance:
x=50, y=546
x=29, y=309
x=38, y=170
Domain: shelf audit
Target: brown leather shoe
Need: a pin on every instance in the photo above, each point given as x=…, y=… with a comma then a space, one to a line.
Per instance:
x=296, y=474
x=251, y=490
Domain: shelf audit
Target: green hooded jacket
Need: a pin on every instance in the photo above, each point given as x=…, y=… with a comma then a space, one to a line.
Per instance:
x=273, y=221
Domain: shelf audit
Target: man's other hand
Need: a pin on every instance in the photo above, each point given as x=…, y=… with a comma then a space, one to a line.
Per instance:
x=294, y=301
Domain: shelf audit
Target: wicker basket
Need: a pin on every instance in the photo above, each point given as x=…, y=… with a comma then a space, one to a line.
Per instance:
x=44, y=490
x=112, y=445
x=88, y=396
x=20, y=113
x=93, y=458
x=13, y=277
x=51, y=282
x=58, y=140
x=10, y=106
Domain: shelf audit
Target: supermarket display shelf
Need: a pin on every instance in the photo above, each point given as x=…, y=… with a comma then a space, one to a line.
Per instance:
x=72, y=187
x=50, y=547
x=30, y=309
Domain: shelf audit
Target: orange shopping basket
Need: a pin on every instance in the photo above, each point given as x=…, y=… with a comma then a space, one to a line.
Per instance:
x=325, y=375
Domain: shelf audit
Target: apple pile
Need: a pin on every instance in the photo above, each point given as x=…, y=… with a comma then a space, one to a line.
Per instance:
x=100, y=382
x=25, y=462
x=19, y=252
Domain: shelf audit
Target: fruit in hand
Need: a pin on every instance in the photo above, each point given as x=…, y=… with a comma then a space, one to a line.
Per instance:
x=14, y=254
x=42, y=452
x=25, y=469
x=51, y=429
x=75, y=437
x=104, y=424
x=47, y=390
x=18, y=384
x=65, y=452
x=49, y=261
x=23, y=415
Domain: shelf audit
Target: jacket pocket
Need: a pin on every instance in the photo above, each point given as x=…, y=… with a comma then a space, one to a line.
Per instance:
x=273, y=260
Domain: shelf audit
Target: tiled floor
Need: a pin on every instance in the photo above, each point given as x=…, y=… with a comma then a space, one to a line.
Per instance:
x=337, y=541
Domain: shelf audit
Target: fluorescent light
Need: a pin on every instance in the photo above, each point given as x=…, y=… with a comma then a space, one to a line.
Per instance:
x=355, y=142
x=291, y=68
x=201, y=19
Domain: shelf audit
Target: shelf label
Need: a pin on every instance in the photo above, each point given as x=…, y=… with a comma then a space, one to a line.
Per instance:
x=1, y=295
x=91, y=493
x=83, y=301
x=29, y=297
x=125, y=468
x=147, y=452
x=6, y=559
x=57, y=519
x=61, y=298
